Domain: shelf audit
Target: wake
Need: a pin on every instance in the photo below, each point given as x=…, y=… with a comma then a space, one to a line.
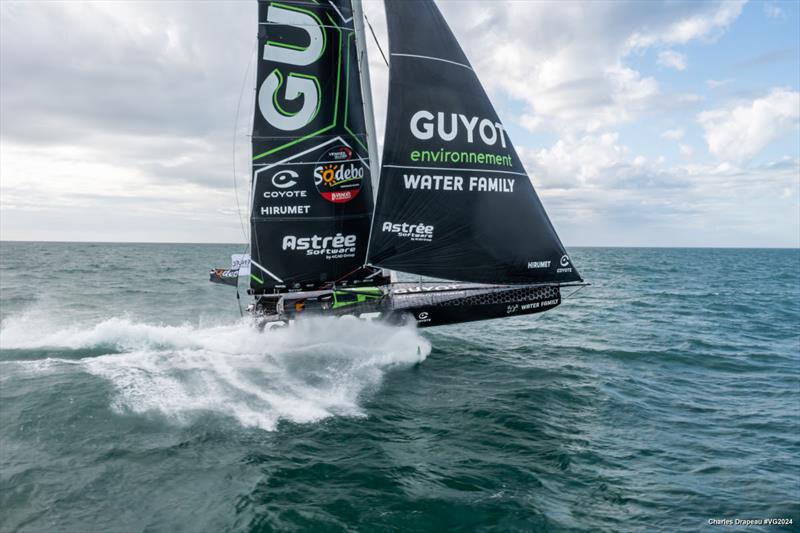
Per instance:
x=320, y=367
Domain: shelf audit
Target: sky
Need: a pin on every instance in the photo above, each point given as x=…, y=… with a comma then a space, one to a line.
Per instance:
x=640, y=123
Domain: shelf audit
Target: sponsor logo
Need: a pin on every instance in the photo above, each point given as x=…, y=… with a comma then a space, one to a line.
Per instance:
x=429, y=182
x=424, y=317
x=565, y=265
x=414, y=232
x=426, y=288
x=425, y=125
x=539, y=264
x=285, y=84
x=342, y=153
x=337, y=247
x=338, y=176
x=465, y=157
x=283, y=179
x=512, y=309
x=224, y=273
x=284, y=210
x=285, y=194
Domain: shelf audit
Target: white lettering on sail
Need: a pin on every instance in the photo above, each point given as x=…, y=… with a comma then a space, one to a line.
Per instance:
x=303, y=21
x=427, y=132
x=538, y=264
x=273, y=210
x=445, y=135
x=285, y=194
x=337, y=247
x=436, y=183
x=415, y=232
x=484, y=184
x=422, y=127
x=491, y=137
x=429, y=182
x=470, y=125
x=297, y=85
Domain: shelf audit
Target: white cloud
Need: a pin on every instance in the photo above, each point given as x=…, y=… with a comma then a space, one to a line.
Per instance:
x=672, y=59
x=773, y=11
x=714, y=84
x=122, y=128
x=674, y=134
x=739, y=132
x=568, y=64
x=699, y=25
x=592, y=186
x=685, y=149
x=575, y=160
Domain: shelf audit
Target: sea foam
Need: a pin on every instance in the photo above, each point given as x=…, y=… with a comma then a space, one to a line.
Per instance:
x=319, y=367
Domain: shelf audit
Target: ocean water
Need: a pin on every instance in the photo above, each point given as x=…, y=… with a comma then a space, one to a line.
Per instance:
x=134, y=398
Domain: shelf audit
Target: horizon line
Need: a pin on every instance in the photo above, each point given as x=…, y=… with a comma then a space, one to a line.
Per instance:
x=712, y=247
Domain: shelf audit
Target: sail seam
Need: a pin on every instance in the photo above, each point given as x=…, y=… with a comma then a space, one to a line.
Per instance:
x=433, y=58
x=299, y=25
x=451, y=169
x=345, y=20
x=305, y=162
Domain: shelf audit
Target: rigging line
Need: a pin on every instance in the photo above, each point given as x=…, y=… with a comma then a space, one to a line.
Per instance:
x=252, y=114
x=238, y=298
x=570, y=295
x=376, y=40
x=235, y=124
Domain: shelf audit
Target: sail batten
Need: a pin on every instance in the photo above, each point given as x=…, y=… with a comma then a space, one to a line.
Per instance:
x=398, y=54
x=454, y=201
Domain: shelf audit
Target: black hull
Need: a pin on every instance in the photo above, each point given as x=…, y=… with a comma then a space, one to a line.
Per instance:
x=427, y=305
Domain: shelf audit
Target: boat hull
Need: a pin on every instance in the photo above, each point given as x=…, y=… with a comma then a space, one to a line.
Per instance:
x=426, y=305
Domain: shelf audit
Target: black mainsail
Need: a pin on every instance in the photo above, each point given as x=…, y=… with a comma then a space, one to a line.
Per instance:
x=454, y=200
x=312, y=197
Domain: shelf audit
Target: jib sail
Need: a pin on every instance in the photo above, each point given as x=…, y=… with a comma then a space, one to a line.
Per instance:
x=311, y=191
x=454, y=199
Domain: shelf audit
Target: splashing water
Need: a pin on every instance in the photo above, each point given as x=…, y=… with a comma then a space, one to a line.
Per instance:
x=319, y=367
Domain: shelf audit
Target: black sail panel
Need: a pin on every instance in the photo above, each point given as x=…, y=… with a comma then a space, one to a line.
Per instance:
x=454, y=201
x=311, y=191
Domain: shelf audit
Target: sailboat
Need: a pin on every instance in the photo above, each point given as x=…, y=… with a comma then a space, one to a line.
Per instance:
x=451, y=200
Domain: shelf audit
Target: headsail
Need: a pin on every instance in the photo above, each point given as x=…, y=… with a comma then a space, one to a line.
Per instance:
x=454, y=201
x=311, y=192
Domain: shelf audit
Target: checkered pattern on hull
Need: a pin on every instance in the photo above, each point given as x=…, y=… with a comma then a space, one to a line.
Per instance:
x=475, y=297
x=496, y=296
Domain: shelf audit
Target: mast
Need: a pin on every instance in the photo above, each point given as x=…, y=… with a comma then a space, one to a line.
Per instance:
x=369, y=114
x=366, y=93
